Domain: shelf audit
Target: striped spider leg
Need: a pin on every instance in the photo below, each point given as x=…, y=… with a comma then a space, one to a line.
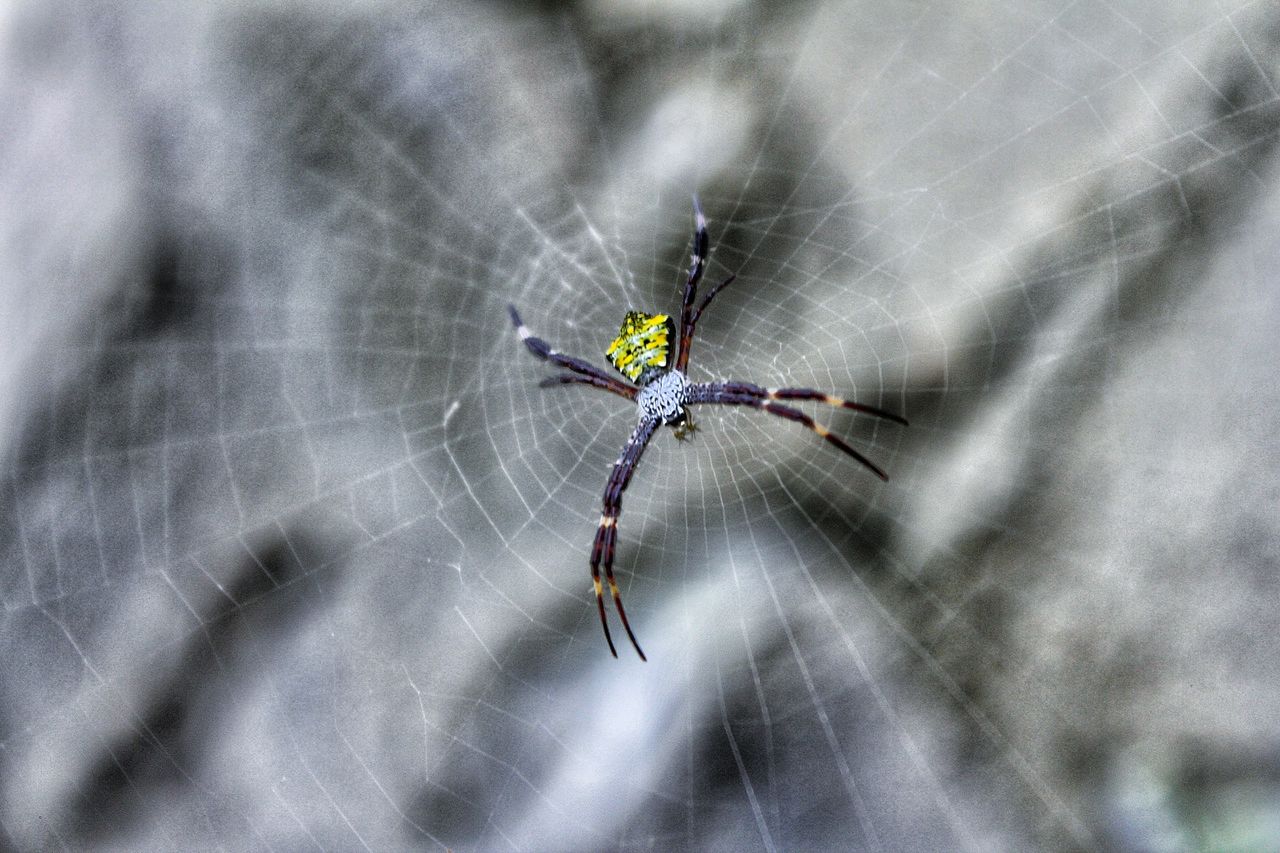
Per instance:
x=746, y=394
x=697, y=266
x=663, y=393
x=607, y=533
x=585, y=373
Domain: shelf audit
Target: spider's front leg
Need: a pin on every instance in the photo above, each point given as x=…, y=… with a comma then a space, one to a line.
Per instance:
x=746, y=394
x=607, y=533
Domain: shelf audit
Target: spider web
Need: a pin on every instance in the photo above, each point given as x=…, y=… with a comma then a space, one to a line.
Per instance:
x=296, y=548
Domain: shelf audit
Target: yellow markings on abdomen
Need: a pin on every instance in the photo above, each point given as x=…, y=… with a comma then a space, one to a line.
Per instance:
x=643, y=343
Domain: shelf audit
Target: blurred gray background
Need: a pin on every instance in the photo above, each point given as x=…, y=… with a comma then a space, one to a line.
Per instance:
x=295, y=550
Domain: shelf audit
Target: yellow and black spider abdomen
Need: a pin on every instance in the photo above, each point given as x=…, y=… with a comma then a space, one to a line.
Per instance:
x=642, y=344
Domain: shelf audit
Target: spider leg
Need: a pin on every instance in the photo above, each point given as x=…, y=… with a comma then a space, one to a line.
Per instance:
x=619, y=388
x=607, y=533
x=543, y=350
x=807, y=394
x=697, y=265
x=716, y=393
x=686, y=339
x=706, y=300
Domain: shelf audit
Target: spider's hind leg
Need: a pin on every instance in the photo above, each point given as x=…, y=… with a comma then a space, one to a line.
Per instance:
x=587, y=373
x=697, y=265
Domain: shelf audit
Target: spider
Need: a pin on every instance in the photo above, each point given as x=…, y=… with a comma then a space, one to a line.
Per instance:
x=662, y=393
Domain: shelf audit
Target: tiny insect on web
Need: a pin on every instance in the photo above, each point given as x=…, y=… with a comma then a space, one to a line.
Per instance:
x=662, y=392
